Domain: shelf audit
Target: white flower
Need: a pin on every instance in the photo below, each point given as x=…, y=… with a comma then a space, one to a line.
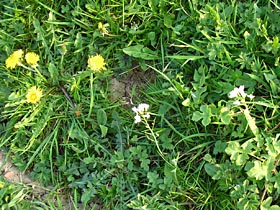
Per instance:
x=233, y=93
x=250, y=96
x=241, y=91
x=237, y=92
x=137, y=119
x=141, y=111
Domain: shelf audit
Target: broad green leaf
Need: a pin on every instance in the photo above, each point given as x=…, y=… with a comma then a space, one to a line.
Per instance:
x=139, y=51
x=145, y=164
x=197, y=95
x=225, y=116
x=273, y=147
x=186, y=102
x=168, y=20
x=210, y=169
x=247, y=146
x=233, y=149
x=266, y=205
x=205, y=115
x=152, y=38
x=259, y=171
x=274, y=207
x=219, y=147
x=165, y=139
x=208, y=158
x=196, y=116
x=101, y=117
x=154, y=179
x=241, y=159
x=89, y=160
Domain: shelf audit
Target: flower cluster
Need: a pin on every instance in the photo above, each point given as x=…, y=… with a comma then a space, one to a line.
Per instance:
x=239, y=92
x=141, y=111
x=96, y=63
x=34, y=95
x=15, y=59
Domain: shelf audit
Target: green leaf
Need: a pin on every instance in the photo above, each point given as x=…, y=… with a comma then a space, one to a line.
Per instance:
x=274, y=207
x=219, y=147
x=101, y=117
x=165, y=139
x=266, y=205
x=233, y=149
x=205, y=115
x=208, y=158
x=145, y=164
x=168, y=20
x=152, y=37
x=210, y=169
x=139, y=51
x=196, y=116
x=104, y=130
x=154, y=179
x=197, y=95
x=225, y=116
x=259, y=171
x=186, y=102
x=53, y=73
x=241, y=159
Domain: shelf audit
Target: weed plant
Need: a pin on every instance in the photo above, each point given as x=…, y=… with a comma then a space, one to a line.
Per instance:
x=202, y=134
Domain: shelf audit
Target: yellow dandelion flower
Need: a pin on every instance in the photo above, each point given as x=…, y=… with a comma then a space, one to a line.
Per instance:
x=96, y=63
x=32, y=58
x=14, y=59
x=34, y=95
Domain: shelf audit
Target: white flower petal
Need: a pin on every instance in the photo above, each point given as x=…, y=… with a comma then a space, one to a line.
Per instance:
x=143, y=107
x=251, y=96
x=141, y=111
x=241, y=91
x=137, y=119
x=135, y=110
x=233, y=93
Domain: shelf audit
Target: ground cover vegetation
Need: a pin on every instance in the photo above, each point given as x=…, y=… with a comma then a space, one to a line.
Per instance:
x=197, y=126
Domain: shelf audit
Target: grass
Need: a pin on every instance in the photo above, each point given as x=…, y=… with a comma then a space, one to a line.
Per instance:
x=198, y=149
